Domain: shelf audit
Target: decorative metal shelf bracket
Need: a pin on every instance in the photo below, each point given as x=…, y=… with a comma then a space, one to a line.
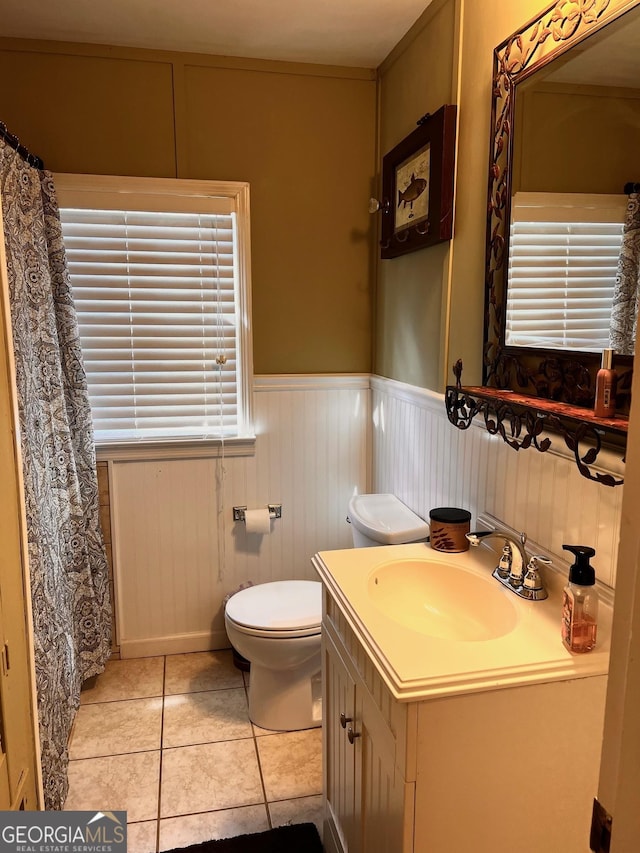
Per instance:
x=521, y=421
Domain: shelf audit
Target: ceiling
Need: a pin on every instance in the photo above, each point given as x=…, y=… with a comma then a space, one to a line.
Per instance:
x=356, y=33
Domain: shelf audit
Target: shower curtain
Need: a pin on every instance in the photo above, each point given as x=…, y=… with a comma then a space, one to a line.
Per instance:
x=622, y=334
x=68, y=567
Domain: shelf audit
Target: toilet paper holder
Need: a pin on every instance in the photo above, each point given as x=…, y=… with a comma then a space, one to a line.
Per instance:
x=275, y=511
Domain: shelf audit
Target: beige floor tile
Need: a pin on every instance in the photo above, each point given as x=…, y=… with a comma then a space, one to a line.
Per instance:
x=258, y=732
x=113, y=728
x=142, y=837
x=291, y=764
x=201, y=671
x=208, y=777
x=196, y=828
x=139, y=678
x=216, y=715
x=114, y=783
x=300, y=810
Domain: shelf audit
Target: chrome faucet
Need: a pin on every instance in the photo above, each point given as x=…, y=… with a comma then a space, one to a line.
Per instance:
x=516, y=571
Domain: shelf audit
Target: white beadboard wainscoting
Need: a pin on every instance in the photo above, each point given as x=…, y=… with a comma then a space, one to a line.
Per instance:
x=320, y=439
x=420, y=457
x=177, y=550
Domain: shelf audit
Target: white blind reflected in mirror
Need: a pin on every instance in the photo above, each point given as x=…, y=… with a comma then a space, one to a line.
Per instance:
x=156, y=299
x=563, y=259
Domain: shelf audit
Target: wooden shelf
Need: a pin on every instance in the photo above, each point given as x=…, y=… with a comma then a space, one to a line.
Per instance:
x=524, y=422
x=618, y=424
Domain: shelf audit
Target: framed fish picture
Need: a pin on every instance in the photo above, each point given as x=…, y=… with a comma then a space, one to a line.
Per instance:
x=417, y=186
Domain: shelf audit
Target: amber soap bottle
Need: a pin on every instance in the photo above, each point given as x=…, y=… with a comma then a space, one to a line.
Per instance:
x=606, y=382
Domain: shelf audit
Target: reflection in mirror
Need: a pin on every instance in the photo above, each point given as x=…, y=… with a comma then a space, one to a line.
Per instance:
x=565, y=142
x=624, y=311
x=563, y=259
x=576, y=145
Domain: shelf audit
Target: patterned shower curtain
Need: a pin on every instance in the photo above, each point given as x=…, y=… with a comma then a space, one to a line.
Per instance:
x=68, y=568
x=624, y=312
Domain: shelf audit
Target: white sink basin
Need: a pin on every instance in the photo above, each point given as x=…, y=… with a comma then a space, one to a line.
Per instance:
x=442, y=600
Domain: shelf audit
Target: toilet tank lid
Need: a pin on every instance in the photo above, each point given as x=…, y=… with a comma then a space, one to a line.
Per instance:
x=278, y=605
x=385, y=519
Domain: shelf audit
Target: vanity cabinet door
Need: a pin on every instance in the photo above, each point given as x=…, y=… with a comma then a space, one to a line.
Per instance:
x=369, y=805
x=339, y=753
x=385, y=800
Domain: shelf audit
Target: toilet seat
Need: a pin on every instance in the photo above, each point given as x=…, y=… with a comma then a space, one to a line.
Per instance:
x=279, y=609
x=294, y=634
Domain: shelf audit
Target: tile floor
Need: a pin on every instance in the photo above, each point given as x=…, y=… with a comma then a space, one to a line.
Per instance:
x=169, y=740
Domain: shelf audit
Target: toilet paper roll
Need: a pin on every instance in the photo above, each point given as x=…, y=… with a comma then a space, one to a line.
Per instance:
x=257, y=520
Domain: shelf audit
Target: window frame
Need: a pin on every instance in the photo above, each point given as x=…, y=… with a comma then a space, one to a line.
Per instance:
x=91, y=192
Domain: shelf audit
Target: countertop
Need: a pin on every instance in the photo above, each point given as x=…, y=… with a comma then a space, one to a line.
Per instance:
x=416, y=666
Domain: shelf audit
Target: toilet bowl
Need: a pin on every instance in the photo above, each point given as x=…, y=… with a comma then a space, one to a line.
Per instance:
x=276, y=626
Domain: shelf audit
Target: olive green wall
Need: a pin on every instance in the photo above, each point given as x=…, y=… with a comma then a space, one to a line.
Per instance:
x=302, y=135
x=430, y=304
x=411, y=300
x=307, y=140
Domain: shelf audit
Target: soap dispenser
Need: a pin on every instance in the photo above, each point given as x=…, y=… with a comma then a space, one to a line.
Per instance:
x=580, y=602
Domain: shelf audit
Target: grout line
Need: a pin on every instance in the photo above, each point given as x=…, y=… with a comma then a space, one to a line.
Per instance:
x=212, y=812
x=262, y=785
x=298, y=797
x=207, y=690
x=206, y=742
x=113, y=755
x=164, y=684
x=112, y=701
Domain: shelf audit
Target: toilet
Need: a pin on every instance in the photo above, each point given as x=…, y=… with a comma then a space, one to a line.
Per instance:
x=276, y=626
x=384, y=520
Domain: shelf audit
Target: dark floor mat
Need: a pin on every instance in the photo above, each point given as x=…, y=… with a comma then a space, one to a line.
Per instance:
x=297, y=838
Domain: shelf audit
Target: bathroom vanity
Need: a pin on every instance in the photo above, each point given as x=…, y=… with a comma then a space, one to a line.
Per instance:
x=454, y=719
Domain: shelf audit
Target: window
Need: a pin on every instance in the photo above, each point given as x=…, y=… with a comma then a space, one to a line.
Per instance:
x=160, y=276
x=563, y=259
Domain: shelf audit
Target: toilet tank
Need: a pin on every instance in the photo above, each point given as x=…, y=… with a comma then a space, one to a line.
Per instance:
x=384, y=520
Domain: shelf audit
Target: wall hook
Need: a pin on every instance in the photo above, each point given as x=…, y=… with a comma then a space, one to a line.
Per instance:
x=375, y=205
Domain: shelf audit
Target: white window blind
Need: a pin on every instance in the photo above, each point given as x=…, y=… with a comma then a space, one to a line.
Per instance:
x=157, y=294
x=563, y=258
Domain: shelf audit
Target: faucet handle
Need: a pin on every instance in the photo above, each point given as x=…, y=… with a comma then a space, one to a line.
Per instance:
x=532, y=585
x=537, y=560
x=506, y=560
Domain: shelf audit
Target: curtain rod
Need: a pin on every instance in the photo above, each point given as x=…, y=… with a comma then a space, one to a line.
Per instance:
x=24, y=152
x=631, y=188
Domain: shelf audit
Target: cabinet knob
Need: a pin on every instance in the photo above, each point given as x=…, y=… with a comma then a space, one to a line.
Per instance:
x=352, y=735
x=344, y=720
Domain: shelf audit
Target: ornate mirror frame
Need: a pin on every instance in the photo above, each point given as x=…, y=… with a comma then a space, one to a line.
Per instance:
x=563, y=376
x=530, y=397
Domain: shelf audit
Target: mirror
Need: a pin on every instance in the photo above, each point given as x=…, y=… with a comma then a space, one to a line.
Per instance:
x=565, y=140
